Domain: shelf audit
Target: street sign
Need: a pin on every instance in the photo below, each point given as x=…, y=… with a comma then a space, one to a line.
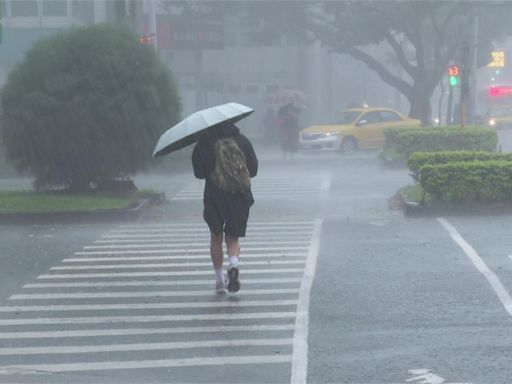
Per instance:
x=498, y=59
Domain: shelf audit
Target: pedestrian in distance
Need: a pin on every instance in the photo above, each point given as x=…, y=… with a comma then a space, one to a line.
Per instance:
x=226, y=160
x=288, y=121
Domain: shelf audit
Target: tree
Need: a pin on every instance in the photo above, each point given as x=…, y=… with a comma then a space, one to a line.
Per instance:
x=87, y=104
x=423, y=36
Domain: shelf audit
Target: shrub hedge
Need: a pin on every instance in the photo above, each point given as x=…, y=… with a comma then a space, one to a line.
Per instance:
x=405, y=141
x=485, y=181
x=419, y=159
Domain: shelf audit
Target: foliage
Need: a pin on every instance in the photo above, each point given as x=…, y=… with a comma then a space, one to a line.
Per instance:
x=87, y=104
x=30, y=202
x=419, y=159
x=484, y=181
x=421, y=37
x=406, y=141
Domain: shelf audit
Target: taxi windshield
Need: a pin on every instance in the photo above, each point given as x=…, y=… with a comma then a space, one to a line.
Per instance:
x=347, y=117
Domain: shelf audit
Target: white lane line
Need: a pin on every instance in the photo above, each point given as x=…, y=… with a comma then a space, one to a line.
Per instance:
x=172, y=273
x=200, y=249
x=147, y=318
x=256, y=224
x=262, y=240
x=164, y=265
x=182, y=257
x=57, y=349
x=480, y=265
x=187, y=237
x=300, y=338
x=139, y=364
x=101, y=307
x=143, y=331
x=326, y=187
x=187, y=244
x=104, y=295
x=204, y=231
x=148, y=283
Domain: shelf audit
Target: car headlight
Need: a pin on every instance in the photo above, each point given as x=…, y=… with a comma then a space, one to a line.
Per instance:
x=492, y=122
x=332, y=134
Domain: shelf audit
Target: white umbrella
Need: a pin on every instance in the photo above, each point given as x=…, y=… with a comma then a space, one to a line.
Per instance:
x=184, y=133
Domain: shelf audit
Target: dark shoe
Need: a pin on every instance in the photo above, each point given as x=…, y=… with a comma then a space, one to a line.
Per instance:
x=233, y=282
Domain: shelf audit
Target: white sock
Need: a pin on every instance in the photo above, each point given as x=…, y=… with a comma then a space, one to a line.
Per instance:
x=233, y=260
x=219, y=274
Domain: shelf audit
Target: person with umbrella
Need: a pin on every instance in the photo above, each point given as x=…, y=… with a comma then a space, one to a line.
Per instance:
x=222, y=157
x=226, y=160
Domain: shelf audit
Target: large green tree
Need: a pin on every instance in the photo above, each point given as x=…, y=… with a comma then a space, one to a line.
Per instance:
x=422, y=36
x=87, y=105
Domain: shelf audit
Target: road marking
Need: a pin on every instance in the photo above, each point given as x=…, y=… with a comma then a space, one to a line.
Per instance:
x=200, y=249
x=164, y=265
x=480, y=265
x=185, y=237
x=263, y=240
x=182, y=257
x=144, y=331
x=307, y=223
x=147, y=283
x=188, y=244
x=172, y=273
x=205, y=232
x=147, y=318
x=138, y=364
x=326, y=187
x=104, y=295
x=300, y=338
x=98, y=307
x=58, y=349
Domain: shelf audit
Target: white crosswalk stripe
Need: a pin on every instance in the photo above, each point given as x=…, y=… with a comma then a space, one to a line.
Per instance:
x=266, y=189
x=142, y=297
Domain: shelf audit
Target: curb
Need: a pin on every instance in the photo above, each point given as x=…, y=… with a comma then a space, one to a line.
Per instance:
x=412, y=208
x=68, y=217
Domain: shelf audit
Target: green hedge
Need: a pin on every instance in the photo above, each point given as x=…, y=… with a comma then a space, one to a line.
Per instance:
x=402, y=142
x=486, y=181
x=419, y=159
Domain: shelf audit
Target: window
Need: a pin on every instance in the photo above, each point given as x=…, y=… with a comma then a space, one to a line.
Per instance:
x=371, y=117
x=58, y=8
x=25, y=8
x=83, y=10
x=347, y=117
x=235, y=89
x=252, y=89
x=389, y=116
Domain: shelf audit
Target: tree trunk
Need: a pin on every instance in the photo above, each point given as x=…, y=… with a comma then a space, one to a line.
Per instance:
x=421, y=107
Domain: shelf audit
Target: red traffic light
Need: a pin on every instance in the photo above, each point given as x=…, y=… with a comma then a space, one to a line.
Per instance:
x=453, y=70
x=146, y=40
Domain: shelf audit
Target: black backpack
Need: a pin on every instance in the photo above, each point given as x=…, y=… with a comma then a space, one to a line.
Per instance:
x=230, y=173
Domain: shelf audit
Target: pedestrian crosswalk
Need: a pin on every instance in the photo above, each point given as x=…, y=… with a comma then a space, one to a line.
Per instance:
x=268, y=188
x=142, y=296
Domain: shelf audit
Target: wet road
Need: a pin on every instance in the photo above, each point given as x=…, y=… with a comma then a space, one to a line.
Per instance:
x=393, y=299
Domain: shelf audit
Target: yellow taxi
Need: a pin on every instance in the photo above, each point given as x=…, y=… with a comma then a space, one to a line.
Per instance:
x=355, y=128
x=499, y=117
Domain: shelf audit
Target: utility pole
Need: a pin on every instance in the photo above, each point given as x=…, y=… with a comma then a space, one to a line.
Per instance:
x=464, y=83
x=473, y=84
x=152, y=23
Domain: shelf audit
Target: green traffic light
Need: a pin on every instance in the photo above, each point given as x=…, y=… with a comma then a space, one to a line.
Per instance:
x=453, y=81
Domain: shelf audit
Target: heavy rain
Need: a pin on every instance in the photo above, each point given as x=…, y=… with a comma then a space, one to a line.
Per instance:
x=255, y=191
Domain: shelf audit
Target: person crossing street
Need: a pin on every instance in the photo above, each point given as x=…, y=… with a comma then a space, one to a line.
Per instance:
x=226, y=160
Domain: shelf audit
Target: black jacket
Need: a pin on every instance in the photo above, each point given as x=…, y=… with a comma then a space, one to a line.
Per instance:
x=203, y=161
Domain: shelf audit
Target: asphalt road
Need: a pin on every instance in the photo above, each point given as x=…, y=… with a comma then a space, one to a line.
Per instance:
x=336, y=288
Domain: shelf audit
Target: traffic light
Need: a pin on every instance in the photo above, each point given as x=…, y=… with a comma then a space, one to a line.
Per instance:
x=453, y=76
x=145, y=40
